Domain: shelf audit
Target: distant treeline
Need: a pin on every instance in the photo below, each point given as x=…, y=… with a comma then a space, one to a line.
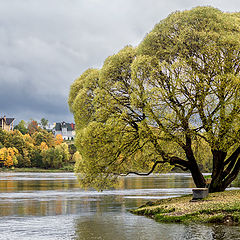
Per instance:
x=35, y=147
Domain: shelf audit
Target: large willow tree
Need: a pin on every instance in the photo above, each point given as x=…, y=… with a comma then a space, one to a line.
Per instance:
x=149, y=107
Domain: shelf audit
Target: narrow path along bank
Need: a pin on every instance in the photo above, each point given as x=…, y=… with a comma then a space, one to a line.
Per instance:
x=221, y=207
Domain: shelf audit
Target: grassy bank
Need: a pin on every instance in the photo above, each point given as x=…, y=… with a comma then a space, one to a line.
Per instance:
x=221, y=207
x=36, y=170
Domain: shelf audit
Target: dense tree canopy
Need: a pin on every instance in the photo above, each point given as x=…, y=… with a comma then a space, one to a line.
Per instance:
x=39, y=150
x=159, y=105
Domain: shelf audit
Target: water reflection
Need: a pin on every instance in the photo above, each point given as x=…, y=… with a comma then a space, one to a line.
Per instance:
x=51, y=206
x=123, y=227
x=54, y=194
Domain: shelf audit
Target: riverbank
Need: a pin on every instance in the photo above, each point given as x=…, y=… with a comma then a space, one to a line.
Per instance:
x=223, y=207
x=36, y=170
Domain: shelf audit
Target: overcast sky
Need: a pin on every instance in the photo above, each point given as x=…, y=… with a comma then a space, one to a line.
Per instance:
x=46, y=44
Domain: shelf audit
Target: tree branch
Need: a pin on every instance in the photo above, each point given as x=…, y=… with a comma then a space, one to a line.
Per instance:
x=231, y=161
x=164, y=129
x=233, y=156
x=180, y=162
x=233, y=173
x=144, y=174
x=183, y=168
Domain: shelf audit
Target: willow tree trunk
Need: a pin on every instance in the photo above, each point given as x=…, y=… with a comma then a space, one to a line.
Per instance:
x=218, y=183
x=197, y=176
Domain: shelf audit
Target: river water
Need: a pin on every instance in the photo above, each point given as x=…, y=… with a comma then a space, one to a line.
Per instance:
x=47, y=206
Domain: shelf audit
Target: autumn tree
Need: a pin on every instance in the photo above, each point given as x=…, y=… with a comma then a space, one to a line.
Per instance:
x=32, y=127
x=58, y=139
x=38, y=150
x=7, y=157
x=149, y=108
x=43, y=136
x=43, y=146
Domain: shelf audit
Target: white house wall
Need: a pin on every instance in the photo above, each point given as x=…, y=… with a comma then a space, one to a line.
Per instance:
x=67, y=135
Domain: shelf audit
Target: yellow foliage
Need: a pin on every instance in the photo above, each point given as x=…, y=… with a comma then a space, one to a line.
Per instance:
x=43, y=146
x=9, y=161
x=59, y=139
x=7, y=156
x=2, y=154
x=28, y=138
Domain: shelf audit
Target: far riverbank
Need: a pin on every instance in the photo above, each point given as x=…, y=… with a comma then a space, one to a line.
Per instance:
x=37, y=170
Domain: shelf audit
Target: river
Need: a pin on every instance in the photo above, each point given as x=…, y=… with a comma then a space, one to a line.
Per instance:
x=46, y=206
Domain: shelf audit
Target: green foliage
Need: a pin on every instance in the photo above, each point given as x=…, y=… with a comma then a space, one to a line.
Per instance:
x=81, y=96
x=21, y=127
x=173, y=100
x=76, y=157
x=44, y=123
x=36, y=158
x=63, y=149
x=15, y=139
x=55, y=157
x=44, y=136
x=72, y=150
x=23, y=161
x=52, y=158
x=68, y=168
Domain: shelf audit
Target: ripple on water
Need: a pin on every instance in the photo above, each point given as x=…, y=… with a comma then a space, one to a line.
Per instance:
x=60, y=210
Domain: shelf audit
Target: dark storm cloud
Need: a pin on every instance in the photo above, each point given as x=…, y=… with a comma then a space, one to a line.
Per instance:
x=46, y=44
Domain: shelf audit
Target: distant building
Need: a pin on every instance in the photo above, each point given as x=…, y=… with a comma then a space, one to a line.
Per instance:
x=6, y=123
x=67, y=130
x=50, y=127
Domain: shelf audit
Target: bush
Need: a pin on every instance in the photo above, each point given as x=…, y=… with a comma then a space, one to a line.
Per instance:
x=36, y=159
x=52, y=158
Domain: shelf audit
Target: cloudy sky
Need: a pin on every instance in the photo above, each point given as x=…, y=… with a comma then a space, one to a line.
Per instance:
x=46, y=44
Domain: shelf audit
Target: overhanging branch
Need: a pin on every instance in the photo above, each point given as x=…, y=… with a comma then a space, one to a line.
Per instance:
x=144, y=174
x=179, y=162
x=181, y=167
x=176, y=161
